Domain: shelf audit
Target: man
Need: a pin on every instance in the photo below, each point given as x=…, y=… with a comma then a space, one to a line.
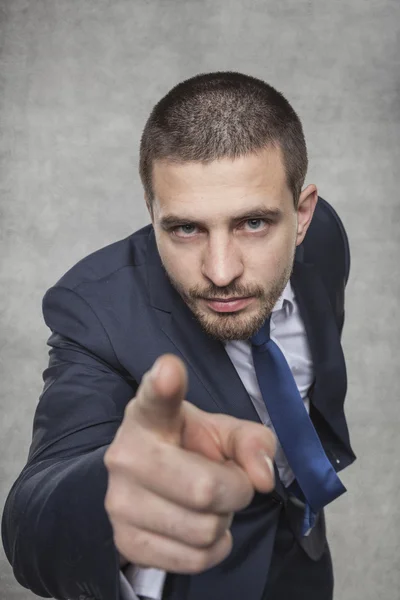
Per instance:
x=181, y=359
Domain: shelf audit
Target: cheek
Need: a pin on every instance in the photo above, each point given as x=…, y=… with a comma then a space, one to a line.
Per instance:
x=264, y=270
x=182, y=264
x=266, y=264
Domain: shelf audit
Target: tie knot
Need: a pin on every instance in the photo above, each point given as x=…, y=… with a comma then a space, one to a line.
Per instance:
x=261, y=338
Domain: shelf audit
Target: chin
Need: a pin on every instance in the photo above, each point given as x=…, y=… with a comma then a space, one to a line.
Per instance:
x=227, y=327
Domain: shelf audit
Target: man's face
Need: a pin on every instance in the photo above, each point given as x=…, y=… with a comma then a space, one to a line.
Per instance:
x=227, y=233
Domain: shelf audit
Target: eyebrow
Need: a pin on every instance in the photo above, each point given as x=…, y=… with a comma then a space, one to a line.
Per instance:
x=269, y=214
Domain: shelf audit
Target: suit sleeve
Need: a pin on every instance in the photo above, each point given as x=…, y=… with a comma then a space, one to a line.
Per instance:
x=346, y=260
x=55, y=528
x=327, y=246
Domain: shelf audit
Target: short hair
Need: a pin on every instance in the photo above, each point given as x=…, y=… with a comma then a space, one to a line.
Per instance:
x=222, y=115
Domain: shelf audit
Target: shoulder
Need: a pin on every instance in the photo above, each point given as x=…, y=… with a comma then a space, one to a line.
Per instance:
x=326, y=244
x=123, y=254
x=87, y=302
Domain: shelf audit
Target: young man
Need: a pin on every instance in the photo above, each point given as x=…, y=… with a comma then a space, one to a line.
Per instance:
x=183, y=360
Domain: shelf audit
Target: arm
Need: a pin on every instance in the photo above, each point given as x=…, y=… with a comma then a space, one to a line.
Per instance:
x=346, y=255
x=326, y=246
x=55, y=529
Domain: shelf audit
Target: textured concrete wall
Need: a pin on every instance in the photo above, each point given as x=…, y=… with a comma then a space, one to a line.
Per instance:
x=78, y=79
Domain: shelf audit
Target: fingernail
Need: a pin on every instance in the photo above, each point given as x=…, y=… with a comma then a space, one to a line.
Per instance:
x=270, y=464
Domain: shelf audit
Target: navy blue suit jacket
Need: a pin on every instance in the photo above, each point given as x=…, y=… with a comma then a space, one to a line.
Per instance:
x=111, y=316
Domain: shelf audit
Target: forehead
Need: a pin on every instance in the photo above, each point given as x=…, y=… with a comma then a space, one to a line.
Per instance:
x=259, y=175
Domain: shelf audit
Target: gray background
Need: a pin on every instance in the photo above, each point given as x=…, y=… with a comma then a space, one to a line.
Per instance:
x=78, y=79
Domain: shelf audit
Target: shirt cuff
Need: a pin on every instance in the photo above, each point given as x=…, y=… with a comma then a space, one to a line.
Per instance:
x=142, y=583
x=127, y=592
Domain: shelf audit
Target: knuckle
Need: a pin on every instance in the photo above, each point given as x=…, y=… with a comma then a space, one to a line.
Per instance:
x=127, y=545
x=120, y=458
x=114, y=456
x=211, y=531
x=108, y=458
x=197, y=562
x=108, y=502
x=204, y=492
x=115, y=507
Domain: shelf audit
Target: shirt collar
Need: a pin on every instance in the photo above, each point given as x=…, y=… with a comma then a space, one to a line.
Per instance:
x=286, y=300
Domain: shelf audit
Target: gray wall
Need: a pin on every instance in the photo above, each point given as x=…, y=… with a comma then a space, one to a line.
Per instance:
x=78, y=80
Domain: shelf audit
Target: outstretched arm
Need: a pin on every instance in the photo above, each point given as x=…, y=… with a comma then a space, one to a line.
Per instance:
x=55, y=529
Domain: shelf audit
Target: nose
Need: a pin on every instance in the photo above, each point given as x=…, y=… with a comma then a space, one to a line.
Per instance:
x=222, y=262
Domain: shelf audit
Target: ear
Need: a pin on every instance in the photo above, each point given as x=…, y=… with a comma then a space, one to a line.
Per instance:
x=149, y=207
x=305, y=210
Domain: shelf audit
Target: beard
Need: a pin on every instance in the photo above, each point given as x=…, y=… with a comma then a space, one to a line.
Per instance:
x=229, y=326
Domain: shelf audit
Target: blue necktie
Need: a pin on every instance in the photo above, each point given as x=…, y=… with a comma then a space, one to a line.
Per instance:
x=316, y=480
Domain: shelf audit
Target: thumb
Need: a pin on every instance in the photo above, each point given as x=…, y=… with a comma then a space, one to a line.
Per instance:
x=158, y=403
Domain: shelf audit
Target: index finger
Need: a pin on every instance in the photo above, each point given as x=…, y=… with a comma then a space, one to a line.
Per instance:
x=157, y=406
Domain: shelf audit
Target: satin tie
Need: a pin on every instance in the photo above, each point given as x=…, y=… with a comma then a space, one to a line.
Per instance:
x=316, y=483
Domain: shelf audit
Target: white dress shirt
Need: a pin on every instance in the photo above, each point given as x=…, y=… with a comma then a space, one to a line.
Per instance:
x=287, y=330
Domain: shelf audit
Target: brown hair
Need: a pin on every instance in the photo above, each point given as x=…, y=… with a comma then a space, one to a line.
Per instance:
x=222, y=114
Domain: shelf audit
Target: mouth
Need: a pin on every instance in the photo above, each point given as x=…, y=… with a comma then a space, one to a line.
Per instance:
x=222, y=305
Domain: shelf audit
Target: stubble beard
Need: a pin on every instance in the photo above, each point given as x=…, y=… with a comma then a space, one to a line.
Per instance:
x=226, y=327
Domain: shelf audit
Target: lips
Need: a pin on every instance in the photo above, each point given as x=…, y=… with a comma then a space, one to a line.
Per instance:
x=229, y=305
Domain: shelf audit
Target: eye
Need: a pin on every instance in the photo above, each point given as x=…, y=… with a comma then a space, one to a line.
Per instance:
x=185, y=230
x=255, y=224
